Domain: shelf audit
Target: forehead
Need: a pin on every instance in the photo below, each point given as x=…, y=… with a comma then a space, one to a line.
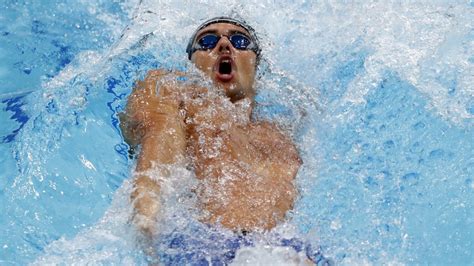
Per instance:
x=222, y=28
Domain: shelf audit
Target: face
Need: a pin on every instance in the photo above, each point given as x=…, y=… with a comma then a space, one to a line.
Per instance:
x=231, y=69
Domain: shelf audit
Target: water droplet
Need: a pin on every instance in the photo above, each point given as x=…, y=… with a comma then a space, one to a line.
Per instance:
x=389, y=144
x=27, y=70
x=419, y=125
x=437, y=154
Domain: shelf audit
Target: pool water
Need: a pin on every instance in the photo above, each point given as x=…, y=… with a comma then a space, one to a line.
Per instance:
x=379, y=98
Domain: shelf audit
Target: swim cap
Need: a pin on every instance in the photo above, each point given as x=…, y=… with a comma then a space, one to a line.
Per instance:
x=241, y=23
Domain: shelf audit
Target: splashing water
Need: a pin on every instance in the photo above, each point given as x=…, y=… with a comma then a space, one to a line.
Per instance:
x=378, y=97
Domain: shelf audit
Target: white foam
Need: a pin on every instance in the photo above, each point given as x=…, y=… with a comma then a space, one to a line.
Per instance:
x=262, y=255
x=110, y=241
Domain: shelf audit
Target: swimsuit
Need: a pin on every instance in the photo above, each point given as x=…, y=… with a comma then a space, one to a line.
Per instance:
x=200, y=244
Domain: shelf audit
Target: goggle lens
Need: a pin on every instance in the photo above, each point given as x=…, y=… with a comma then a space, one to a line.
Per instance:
x=239, y=41
x=209, y=41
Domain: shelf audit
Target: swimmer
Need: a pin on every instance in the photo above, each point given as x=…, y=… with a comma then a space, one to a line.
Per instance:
x=245, y=168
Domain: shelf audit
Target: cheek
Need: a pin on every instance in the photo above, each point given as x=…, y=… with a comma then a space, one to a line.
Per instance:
x=202, y=62
x=248, y=69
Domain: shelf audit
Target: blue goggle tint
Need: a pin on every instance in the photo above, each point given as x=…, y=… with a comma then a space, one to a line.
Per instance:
x=209, y=41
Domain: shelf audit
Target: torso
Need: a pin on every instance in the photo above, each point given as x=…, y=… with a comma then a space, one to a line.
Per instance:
x=246, y=175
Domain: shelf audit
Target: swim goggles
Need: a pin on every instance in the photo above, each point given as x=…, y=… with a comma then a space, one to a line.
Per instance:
x=249, y=42
x=238, y=40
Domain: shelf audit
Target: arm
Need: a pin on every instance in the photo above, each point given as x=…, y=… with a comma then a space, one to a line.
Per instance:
x=152, y=121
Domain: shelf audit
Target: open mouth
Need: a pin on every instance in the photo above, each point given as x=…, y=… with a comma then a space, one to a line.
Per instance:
x=224, y=69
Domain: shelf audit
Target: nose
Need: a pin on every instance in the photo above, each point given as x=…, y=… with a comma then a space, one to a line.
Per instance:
x=224, y=45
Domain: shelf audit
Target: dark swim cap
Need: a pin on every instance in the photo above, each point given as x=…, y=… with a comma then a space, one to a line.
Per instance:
x=241, y=23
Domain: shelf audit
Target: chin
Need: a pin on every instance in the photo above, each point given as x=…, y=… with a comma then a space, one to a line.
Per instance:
x=230, y=88
x=233, y=92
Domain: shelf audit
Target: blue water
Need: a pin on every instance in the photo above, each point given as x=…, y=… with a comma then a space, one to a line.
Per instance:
x=379, y=98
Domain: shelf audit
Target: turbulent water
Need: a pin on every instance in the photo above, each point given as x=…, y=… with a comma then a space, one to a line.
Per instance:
x=379, y=98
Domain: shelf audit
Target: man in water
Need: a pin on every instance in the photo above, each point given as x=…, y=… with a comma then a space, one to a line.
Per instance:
x=245, y=168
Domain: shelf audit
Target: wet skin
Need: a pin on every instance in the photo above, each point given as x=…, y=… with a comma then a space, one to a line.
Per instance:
x=245, y=168
x=243, y=62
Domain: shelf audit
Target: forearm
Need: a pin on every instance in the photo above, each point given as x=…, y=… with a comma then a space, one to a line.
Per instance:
x=163, y=144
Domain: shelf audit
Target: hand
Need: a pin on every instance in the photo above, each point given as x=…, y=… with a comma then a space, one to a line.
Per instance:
x=146, y=204
x=146, y=225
